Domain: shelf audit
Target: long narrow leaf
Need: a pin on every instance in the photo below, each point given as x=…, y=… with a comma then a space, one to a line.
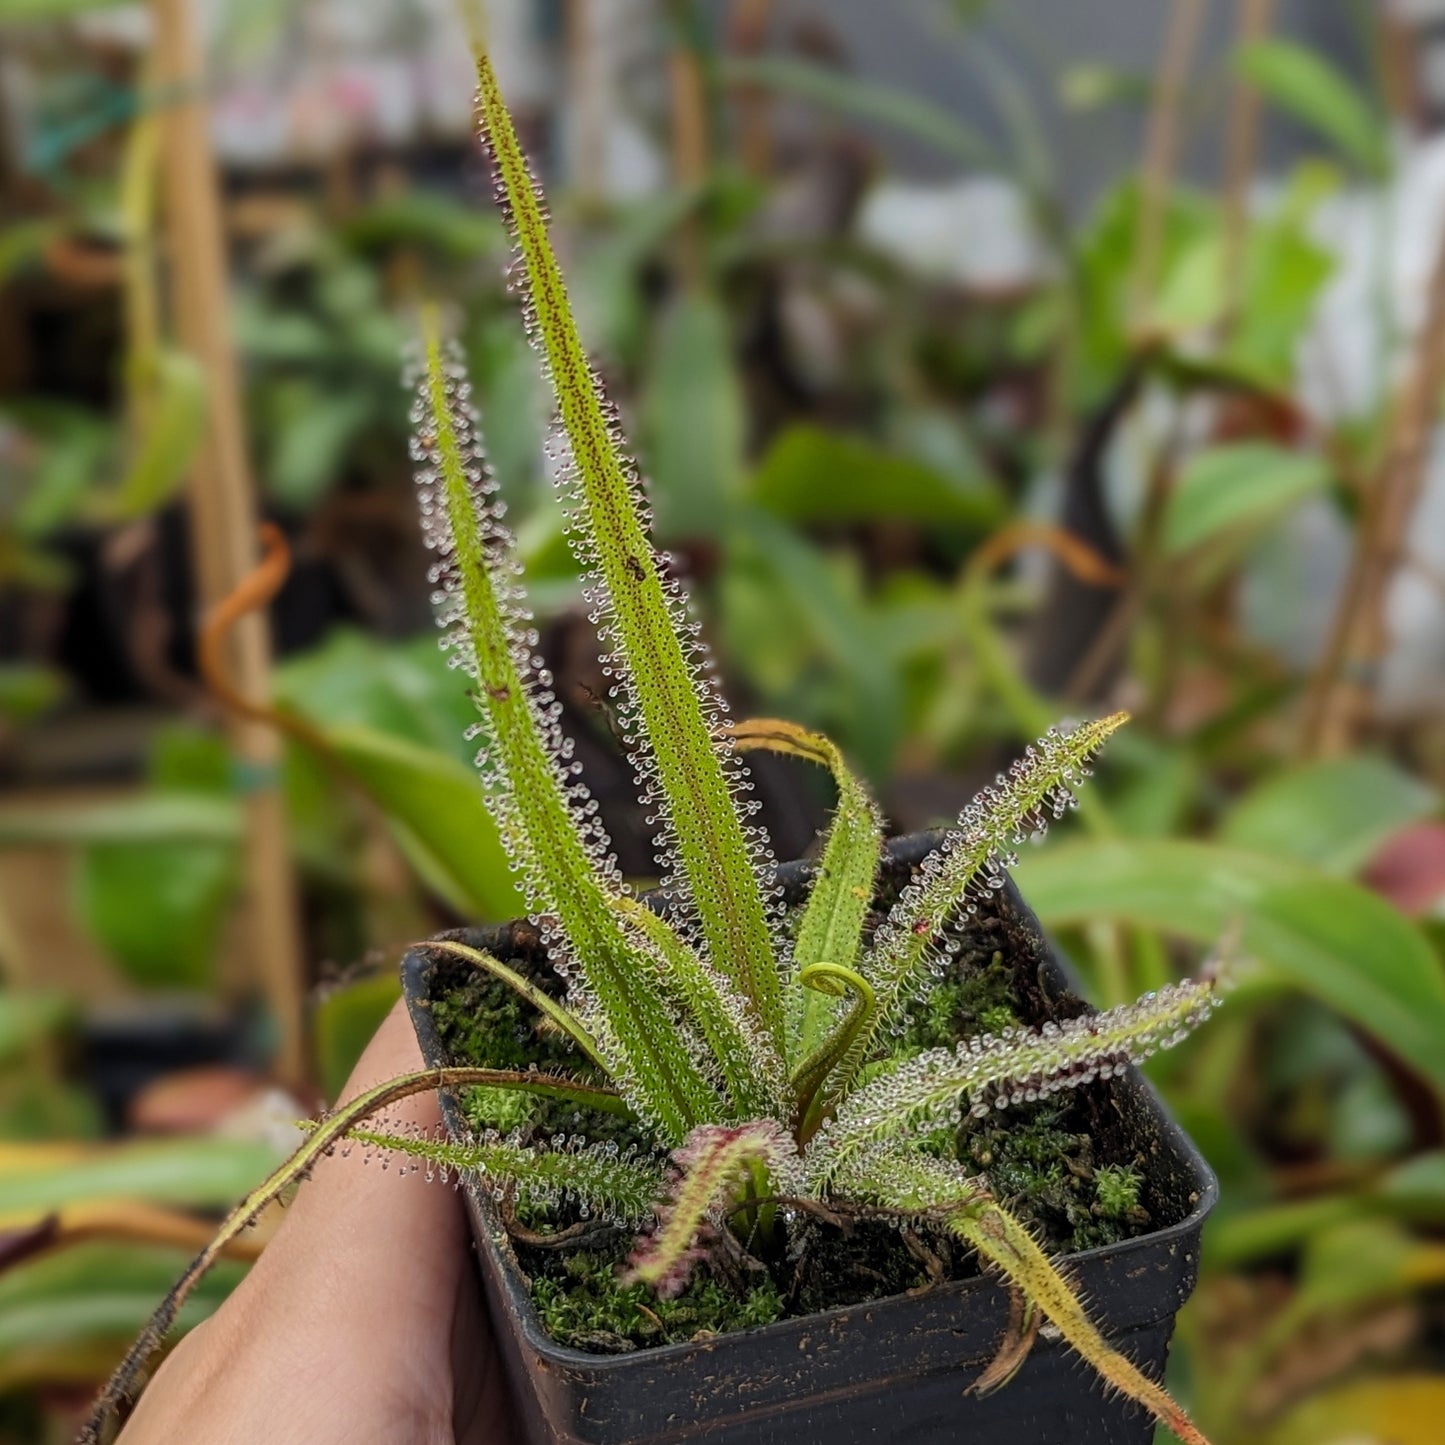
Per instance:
x=1041, y=783
x=616, y=1183
x=935, y=1188
x=672, y=706
x=831, y=929
x=712, y=1165
x=929, y=1091
x=124, y=1383
x=545, y=815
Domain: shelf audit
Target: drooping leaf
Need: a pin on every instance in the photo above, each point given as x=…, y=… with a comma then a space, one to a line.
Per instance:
x=1323, y=935
x=1334, y=813
x=912, y=1182
x=123, y=1384
x=1310, y=88
x=1235, y=487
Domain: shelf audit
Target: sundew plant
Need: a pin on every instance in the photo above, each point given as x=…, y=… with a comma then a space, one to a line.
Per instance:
x=758, y=1057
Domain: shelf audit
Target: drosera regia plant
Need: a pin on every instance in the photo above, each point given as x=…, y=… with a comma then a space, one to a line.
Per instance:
x=759, y=1059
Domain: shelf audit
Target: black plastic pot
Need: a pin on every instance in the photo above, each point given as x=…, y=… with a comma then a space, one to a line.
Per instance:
x=895, y=1370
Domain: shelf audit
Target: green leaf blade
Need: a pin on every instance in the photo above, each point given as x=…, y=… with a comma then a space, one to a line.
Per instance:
x=1317, y=94
x=1237, y=487
x=1328, y=937
x=1334, y=813
x=716, y=857
x=544, y=816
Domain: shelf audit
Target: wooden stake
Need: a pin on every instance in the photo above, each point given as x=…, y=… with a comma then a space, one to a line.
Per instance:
x=689, y=151
x=1342, y=693
x=1240, y=153
x=222, y=510
x=748, y=26
x=1161, y=151
x=590, y=81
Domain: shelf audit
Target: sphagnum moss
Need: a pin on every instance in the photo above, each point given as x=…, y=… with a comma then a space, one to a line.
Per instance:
x=764, y=1068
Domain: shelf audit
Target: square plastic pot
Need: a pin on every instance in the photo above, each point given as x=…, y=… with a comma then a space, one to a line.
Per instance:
x=891, y=1370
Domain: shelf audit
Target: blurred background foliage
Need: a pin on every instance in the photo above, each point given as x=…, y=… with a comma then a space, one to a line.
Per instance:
x=987, y=362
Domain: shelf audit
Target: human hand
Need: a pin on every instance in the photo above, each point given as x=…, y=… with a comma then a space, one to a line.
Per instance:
x=361, y=1322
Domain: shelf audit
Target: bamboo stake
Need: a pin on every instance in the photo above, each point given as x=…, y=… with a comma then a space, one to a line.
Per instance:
x=589, y=66
x=689, y=151
x=1161, y=151
x=1341, y=699
x=222, y=510
x=1240, y=151
x=748, y=25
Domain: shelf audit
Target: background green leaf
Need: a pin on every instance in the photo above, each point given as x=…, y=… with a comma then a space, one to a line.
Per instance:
x=1315, y=92
x=1333, y=813
x=191, y=1173
x=163, y=454
x=66, y=1318
x=1326, y=936
x=1239, y=486
x=157, y=907
x=810, y=475
x=693, y=420
x=435, y=807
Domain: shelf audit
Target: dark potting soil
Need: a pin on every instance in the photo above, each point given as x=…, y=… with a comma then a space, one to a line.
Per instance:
x=1069, y=1165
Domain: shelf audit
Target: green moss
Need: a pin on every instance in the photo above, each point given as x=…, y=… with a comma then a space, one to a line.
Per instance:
x=582, y=1303
x=1042, y=1166
x=481, y=1021
x=980, y=1001
x=1116, y=1191
x=998, y=1017
x=1041, y=1160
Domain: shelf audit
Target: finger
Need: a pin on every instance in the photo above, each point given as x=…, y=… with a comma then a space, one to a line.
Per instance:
x=370, y=1229
x=343, y=1329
